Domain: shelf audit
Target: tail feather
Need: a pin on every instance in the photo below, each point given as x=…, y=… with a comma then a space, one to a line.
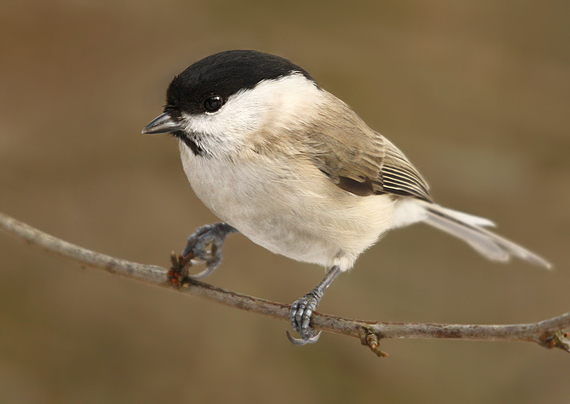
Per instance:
x=470, y=229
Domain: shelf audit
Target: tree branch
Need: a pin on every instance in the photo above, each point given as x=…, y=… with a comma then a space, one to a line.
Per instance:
x=547, y=333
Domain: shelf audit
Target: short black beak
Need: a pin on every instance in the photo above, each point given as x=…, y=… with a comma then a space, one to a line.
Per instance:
x=161, y=124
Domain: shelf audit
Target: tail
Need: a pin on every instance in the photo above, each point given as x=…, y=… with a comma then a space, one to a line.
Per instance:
x=471, y=229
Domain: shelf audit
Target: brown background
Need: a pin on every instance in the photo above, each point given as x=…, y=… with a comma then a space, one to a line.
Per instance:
x=477, y=94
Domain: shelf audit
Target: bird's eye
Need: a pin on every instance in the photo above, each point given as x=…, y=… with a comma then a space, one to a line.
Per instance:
x=213, y=103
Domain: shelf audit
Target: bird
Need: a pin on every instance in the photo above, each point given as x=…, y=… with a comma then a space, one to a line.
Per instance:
x=293, y=168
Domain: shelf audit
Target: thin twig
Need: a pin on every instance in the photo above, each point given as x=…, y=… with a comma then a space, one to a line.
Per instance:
x=548, y=333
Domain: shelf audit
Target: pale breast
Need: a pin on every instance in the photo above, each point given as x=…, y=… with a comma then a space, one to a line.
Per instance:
x=289, y=207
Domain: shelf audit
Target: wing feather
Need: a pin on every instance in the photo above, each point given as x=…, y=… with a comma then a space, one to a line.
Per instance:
x=400, y=177
x=358, y=159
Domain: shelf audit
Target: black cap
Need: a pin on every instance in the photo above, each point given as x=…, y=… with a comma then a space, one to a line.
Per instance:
x=224, y=74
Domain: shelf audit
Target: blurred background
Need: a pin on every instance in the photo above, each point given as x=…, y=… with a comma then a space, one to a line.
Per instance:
x=477, y=94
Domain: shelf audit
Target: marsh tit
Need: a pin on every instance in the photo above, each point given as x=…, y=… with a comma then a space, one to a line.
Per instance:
x=293, y=168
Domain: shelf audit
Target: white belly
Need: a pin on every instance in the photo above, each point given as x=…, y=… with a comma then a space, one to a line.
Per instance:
x=304, y=217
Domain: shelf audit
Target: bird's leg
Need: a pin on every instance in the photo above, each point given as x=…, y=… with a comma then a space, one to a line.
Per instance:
x=302, y=310
x=210, y=234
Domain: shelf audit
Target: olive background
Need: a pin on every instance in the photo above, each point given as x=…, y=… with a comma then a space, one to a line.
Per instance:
x=477, y=94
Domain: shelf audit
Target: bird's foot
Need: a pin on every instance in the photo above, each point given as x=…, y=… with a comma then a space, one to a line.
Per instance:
x=301, y=312
x=212, y=235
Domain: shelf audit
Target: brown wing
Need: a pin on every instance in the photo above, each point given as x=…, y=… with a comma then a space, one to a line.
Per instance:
x=399, y=176
x=359, y=160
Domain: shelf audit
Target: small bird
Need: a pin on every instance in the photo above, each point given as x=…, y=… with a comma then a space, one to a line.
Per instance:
x=297, y=171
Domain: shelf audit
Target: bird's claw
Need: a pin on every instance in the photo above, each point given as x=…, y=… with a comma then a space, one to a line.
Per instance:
x=301, y=312
x=301, y=341
x=211, y=234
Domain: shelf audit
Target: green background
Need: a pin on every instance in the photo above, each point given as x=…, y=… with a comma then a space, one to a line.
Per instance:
x=476, y=93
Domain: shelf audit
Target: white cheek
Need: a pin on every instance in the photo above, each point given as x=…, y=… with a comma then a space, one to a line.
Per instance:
x=226, y=129
x=234, y=117
x=275, y=104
